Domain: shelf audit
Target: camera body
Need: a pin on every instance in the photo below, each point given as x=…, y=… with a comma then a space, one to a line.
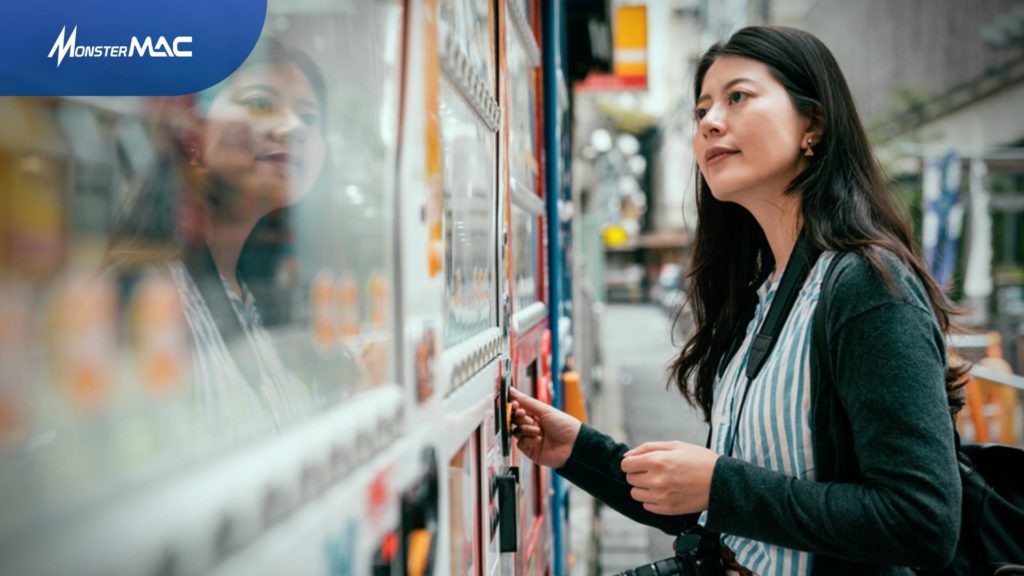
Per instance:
x=698, y=553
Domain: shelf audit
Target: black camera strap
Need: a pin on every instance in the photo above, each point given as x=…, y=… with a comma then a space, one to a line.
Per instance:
x=800, y=263
x=203, y=270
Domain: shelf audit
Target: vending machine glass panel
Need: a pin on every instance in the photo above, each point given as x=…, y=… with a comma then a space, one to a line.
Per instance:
x=468, y=157
x=183, y=275
x=464, y=509
x=523, y=164
x=525, y=242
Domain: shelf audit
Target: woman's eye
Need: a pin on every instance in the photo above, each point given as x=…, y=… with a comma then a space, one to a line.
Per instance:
x=260, y=103
x=699, y=113
x=310, y=119
x=736, y=97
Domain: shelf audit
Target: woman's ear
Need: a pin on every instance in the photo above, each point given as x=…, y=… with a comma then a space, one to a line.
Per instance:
x=815, y=128
x=190, y=147
x=191, y=135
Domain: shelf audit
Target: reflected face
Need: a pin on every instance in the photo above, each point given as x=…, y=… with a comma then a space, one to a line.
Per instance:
x=263, y=134
x=748, y=137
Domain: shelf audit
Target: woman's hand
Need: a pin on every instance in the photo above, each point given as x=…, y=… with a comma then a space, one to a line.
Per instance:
x=670, y=478
x=543, y=433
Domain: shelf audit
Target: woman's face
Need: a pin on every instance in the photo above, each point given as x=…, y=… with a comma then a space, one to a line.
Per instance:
x=263, y=135
x=749, y=135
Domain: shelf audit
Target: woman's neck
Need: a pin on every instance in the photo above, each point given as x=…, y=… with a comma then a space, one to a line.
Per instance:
x=780, y=221
x=226, y=238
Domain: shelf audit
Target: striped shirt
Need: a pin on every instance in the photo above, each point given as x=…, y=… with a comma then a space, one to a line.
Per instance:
x=240, y=386
x=775, y=430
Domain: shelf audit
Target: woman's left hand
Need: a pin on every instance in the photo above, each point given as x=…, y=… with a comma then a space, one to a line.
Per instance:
x=670, y=478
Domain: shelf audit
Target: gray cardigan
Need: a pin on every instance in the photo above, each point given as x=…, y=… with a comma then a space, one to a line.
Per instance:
x=887, y=492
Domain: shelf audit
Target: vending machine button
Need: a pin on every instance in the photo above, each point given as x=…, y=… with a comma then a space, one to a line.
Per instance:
x=507, y=512
x=420, y=549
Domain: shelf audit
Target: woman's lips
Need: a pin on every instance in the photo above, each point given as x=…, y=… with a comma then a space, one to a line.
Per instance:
x=282, y=158
x=720, y=156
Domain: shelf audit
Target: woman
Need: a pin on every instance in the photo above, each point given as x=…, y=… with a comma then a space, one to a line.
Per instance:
x=215, y=211
x=855, y=477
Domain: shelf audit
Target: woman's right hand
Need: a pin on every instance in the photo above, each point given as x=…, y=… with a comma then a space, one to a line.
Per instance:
x=543, y=433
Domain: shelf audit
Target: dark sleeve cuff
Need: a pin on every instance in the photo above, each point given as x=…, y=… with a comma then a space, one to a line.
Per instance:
x=591, y=446
x=595, y=465
x=726, y=499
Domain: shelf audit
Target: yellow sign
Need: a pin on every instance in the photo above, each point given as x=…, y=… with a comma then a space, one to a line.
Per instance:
x=631, y=41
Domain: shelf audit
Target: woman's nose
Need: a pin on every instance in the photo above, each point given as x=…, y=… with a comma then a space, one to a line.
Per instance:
x=713, y=122
x=289, y=127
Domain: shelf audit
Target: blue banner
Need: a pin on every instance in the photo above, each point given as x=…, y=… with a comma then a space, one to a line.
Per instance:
x=943, y=214
x=123, y=47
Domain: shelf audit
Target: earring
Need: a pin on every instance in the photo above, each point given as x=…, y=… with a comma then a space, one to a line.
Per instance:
x=809, y=152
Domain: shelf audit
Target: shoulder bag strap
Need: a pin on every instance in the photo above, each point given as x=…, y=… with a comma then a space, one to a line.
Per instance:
x=819, y=327
x=801, y=261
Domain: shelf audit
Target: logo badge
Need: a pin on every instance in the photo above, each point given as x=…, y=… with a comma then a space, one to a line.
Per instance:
x=161, y=48
x=124, y=47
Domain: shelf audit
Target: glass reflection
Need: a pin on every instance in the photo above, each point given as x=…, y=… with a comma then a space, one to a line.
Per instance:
x=214, y=220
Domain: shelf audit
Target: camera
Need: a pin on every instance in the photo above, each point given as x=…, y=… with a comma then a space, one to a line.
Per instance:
x=698, y=553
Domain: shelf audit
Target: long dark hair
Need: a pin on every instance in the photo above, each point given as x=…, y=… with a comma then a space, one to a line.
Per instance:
x=847, y=205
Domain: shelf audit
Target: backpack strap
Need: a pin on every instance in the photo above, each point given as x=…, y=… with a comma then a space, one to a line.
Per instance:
x=819, y=326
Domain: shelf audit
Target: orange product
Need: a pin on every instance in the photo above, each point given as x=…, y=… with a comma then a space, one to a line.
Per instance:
x=321, y=322
x=379, y=291
x=432, y=136
x=85, y=344
x=160, y=335
x=346, y=307
x=425, y=357
x=375, y=360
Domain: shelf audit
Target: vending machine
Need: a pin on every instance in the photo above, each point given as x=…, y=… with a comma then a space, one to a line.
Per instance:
x=272, y=327
x=526, y=221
